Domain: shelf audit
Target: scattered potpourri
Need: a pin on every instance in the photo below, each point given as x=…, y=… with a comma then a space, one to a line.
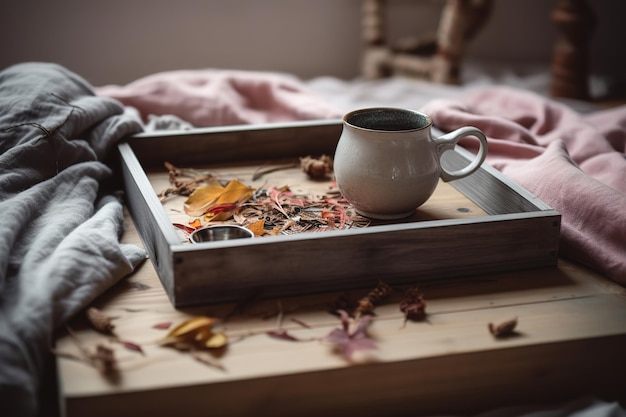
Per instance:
x=347, y=339
x=504, y=329
x=195, y=333
x=265, y=211
x=413, y=305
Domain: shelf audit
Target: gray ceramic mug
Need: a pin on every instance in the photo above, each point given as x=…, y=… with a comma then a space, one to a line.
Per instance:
x=387, y=163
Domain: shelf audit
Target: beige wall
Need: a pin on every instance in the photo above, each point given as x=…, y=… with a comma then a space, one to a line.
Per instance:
x=117, y=41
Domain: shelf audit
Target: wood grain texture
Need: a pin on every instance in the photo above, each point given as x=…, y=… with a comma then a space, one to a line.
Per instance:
x=570, y=342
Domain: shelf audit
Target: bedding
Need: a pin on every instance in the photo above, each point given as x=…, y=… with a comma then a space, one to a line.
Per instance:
x=60, y=222
x=570, y=154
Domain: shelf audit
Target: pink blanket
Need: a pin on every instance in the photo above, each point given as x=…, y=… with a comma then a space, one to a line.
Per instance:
x=222, y=97
x=573, y=162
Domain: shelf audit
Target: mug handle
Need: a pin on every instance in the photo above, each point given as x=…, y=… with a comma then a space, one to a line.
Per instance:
x=448, y=141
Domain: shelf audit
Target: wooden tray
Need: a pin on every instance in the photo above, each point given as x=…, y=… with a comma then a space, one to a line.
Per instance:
x=500, y=226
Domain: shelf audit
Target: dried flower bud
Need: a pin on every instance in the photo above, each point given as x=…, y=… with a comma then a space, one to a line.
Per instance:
x=369, y=302
x=413, y=305
x=504, y=329
x=317, y=168
x=100, y=321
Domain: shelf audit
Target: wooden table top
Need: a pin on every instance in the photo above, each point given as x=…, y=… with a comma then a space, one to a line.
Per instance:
x=570, y=341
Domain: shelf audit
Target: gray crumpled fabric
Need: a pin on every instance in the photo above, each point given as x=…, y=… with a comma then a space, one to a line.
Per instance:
x=59, y=228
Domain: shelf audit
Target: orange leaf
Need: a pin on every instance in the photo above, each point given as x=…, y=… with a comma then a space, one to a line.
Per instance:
x=258, y=227
x=195, y=223
x=213, y=196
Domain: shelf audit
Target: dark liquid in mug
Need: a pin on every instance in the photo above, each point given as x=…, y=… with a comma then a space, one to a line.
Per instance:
x=388, y=120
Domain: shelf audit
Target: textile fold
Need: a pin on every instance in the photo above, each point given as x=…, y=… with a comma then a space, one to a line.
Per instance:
x=573, y=161
x=60, y=228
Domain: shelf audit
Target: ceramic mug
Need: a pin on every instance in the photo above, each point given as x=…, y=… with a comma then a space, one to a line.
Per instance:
x=387, y=163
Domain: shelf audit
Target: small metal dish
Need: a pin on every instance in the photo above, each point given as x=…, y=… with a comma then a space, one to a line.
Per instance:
x=221, y=232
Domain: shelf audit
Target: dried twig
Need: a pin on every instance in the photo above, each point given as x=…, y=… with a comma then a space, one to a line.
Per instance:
x=258, y=174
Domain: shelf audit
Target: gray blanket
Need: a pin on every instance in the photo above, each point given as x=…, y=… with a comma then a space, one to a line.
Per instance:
x=59, y=227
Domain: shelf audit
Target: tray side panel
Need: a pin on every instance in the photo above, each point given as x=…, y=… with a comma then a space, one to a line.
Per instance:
x=148, y=227
x=239, y=143
x=339, y=262
x=490, y=190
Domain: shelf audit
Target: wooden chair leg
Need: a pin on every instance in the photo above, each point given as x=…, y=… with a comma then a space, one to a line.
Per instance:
x=570, y=59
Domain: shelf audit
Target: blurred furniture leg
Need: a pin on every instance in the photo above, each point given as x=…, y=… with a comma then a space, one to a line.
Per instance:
x=570, y=60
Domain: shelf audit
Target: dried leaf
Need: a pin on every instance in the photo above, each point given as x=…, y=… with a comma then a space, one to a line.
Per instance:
x=258, y=227
x=131, y=346
x=215, y=341
x=346, y=341
x=202, y=198
x=184, y=186
x=504, y=329
x=184, y=228
x=195, y=224
x=100, y=321
x=216, y=200
x=413, y=305
x=189, y=328
x=196, y=332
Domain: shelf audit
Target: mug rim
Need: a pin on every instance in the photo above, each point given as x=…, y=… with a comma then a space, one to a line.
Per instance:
x=352, y=113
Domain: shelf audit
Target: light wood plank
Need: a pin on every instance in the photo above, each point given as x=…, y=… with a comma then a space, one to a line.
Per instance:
x=572, y=326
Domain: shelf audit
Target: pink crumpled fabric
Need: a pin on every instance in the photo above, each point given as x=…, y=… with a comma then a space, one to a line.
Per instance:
x=213, y=97
x=572, y=161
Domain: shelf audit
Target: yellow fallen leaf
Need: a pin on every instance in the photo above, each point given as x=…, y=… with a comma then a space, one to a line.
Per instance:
x=216, y=341
x=195, y=332
x=191, y=327
x=206, y=337
x=216, y=202
x=202, y=197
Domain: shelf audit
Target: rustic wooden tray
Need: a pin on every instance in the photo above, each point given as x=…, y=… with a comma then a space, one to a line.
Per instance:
x=500, y=226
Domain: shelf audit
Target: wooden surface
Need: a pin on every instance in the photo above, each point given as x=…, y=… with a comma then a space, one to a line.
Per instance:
x=571, y=341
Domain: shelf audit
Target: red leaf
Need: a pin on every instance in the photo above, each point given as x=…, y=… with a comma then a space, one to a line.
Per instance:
x=187, y=229
x=130, y=346
x=347, y=342
x=163, y=326
x=133, y=346
x=221, y=208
